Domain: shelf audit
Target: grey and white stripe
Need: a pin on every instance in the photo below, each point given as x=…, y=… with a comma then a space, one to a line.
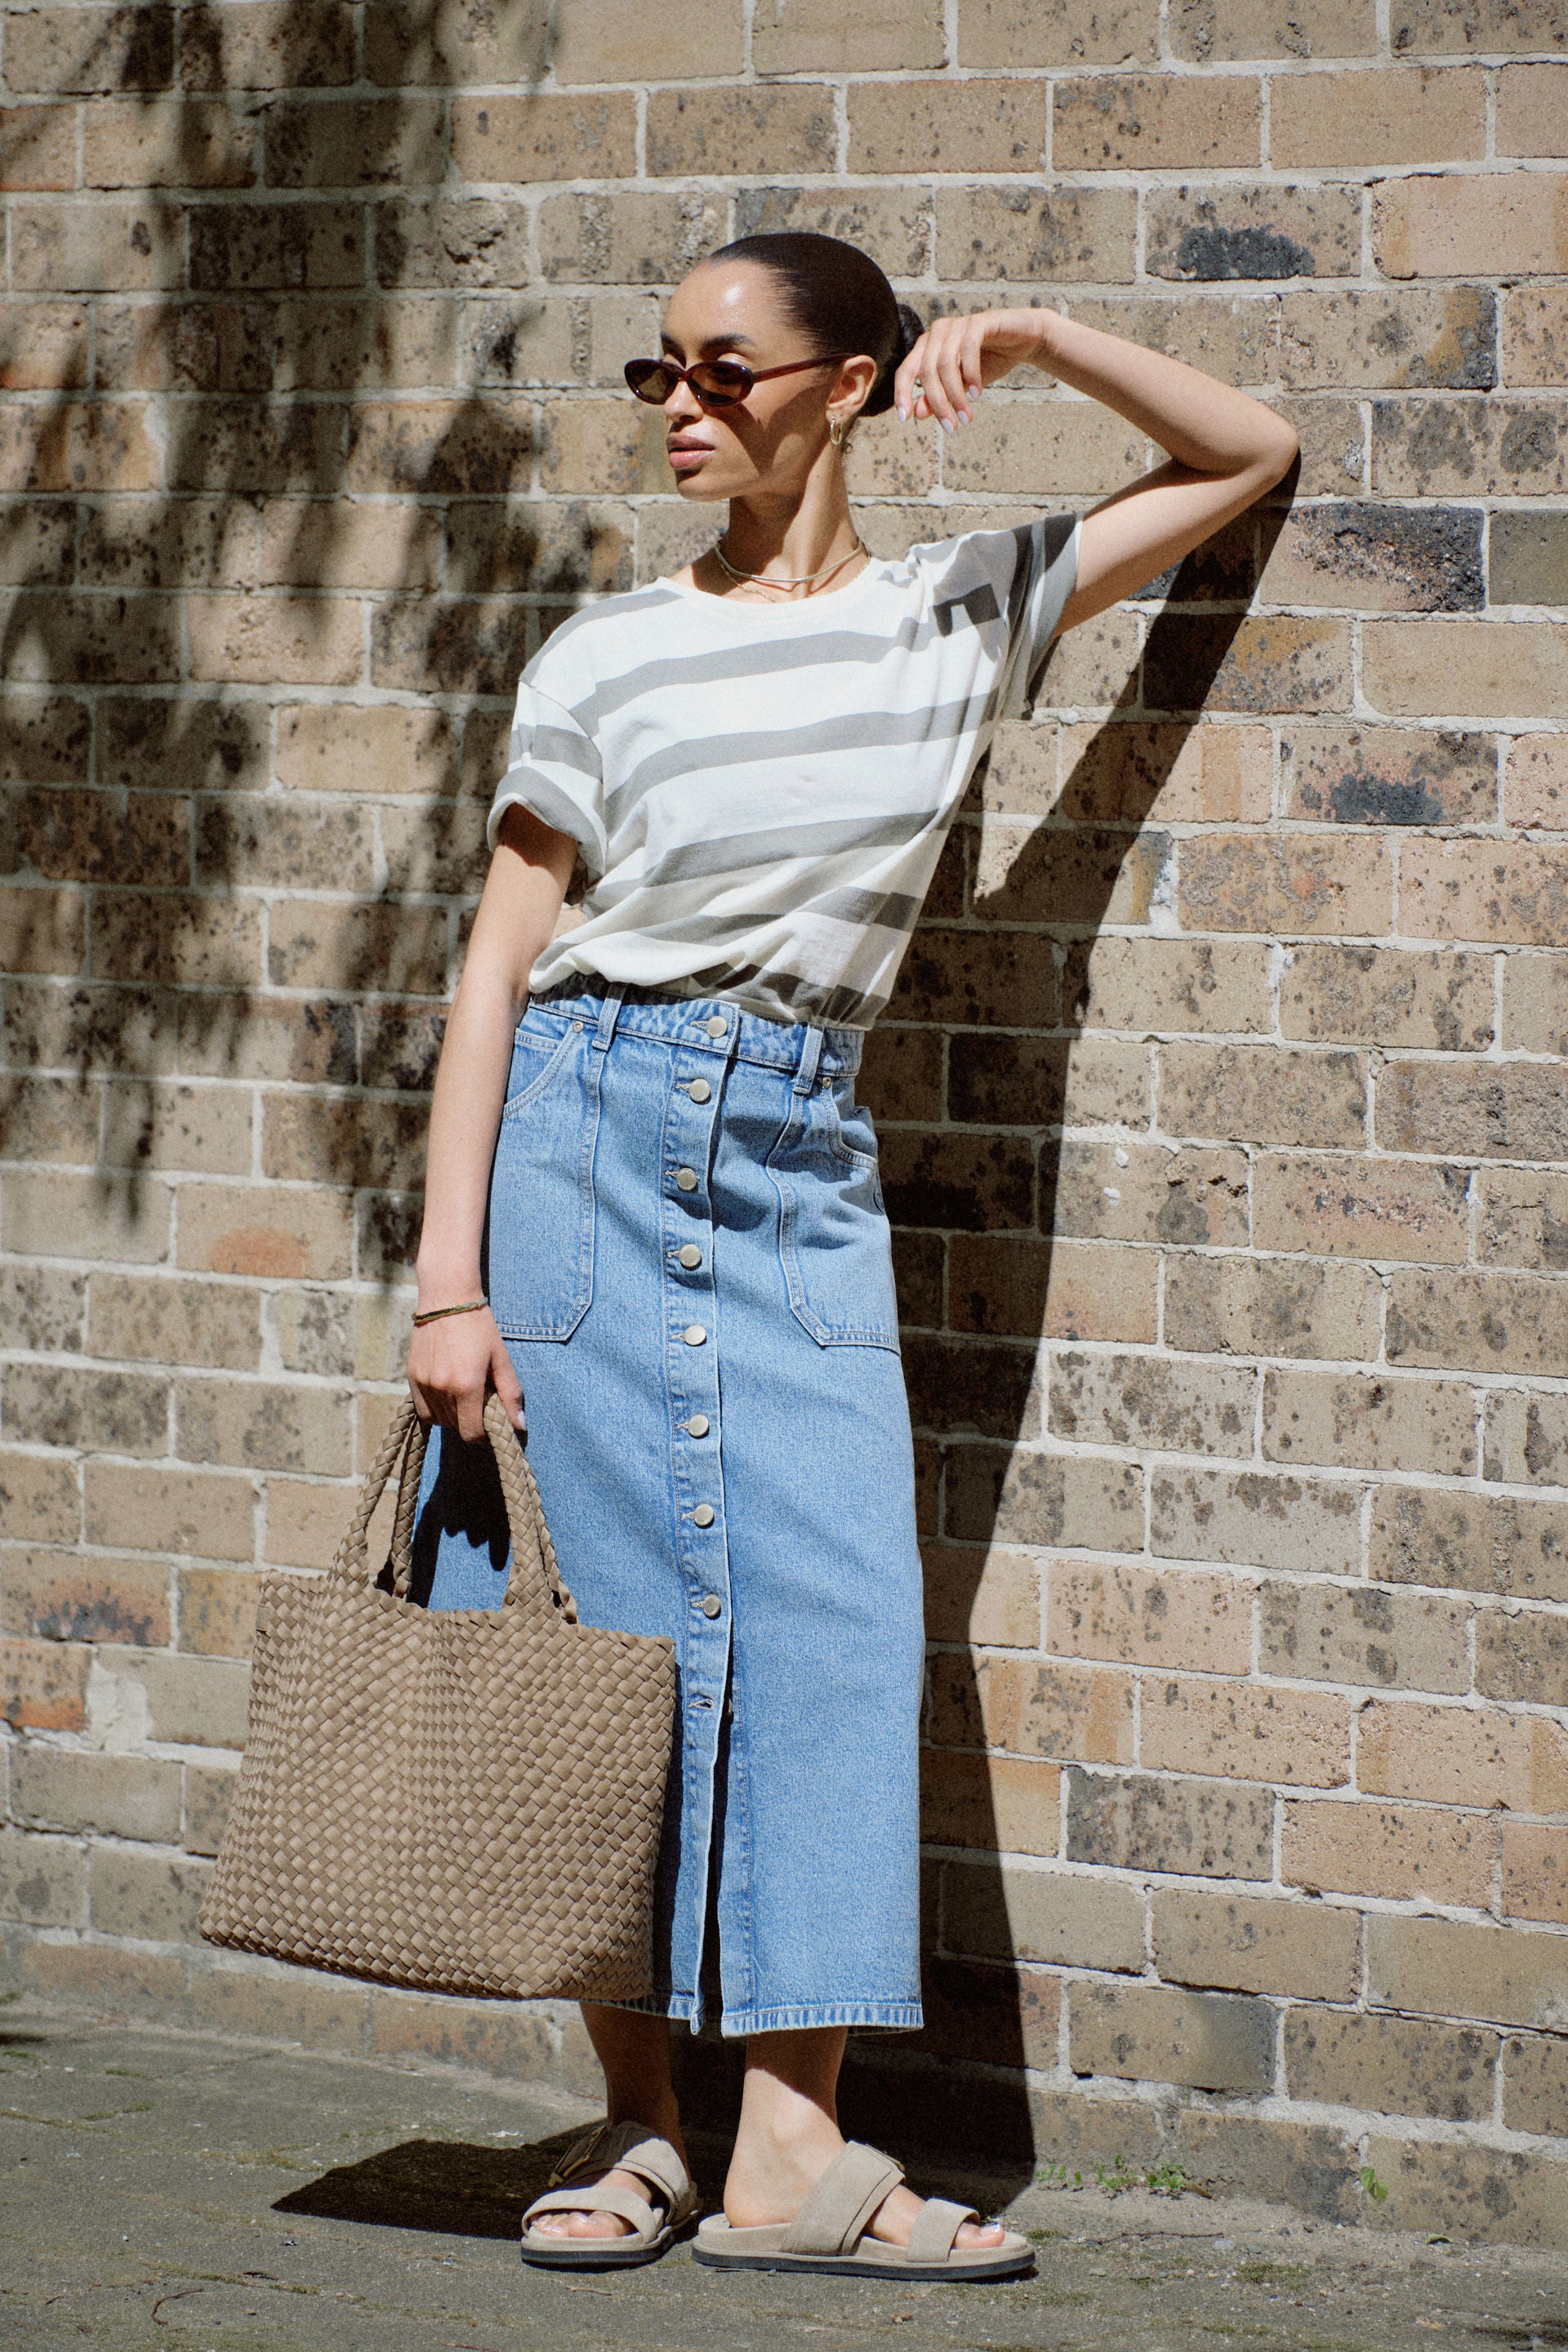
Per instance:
x=759, y=792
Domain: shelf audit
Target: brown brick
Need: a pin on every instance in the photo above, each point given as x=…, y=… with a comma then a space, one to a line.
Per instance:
x=43, y=345
x=1240, y=1731
x=510, y=140
x=56, y=1215
x=978, y=2012
x=38, y=147
x=1383, y=559
x=194, y=941
x=1518, y=1113
x=1522, y=1216
x=474, y=646
x=1206, y=1829
x=1233, y=337
x=1533, y=1882
x=917, y=127
x=1493, y=1322
x=1145, y=1402
x=1257, y=1519
x=1216, y=32
x=1020, y=444
x=1243, y=1944
x=1137, y=1616
x=305, y=1521
x=1011, y=234
x=1011, y=1081
x=108, y=1980
x=1145, y=2033
x=1091, y=666
x=1329, y=1633
x=1086, y=874
x=170, y=1511
x=1526, y=1437
x=42, y=1881
x=174, y=1322
x=90, y=50
x=1532, y=110
x=313, y=945
x=1030, y=1709
x=53, y=1596
x=1522, y=1656
x=1472, y=1543
x=1111, y=124
x=119, y=1413
x=1535, y=2081
x=1263, y=1094
x=999, y=1804
x=626, y=239
x=1381, y=116
x=210, y=1793
x=412, y=41
x=183, y=746
x=278, y=1231
x=1386, y=339
x=1020, y=1494
x=959, y=1181
x=1362, y=1422
x=205, y=1129
x=1513, y=892
x=1507, y=1974
x=1395, y=2065
x=1040, y=1914
x=41, y=1308
x=1052, y=33
x=109, y=1796
x=95, y=639
x=430, y=445
x=1461, y=1755
x=1346, y=1205
x=39, y=1499
x=1433, y=1002
x=1475, y=446
x=49, y=1119
x=807, y=36
x=217, y=1610
x=785, y=129
x=267, y=45
x=145, y=1896
x=244, y=248
x=1168, y=984
x=231, y=2001
x=43, y=1685
x=67, y=244
x=1273, y=232
x=1146, y=1193
x=1434, y=2187
x=1006, y=1285
x=1239, y=1305
x=1296, y=885
x=356, y=143
x=264, y=1426
x=1277, y=662
x=1398, y=1851
x=244, y=448
x=1204, y=775
x=984, y=1597
x=188, y=1702
x=303, y=641
x=1534, y=346
x=1242, y=2155
x=1507, y=224
x=128, y=143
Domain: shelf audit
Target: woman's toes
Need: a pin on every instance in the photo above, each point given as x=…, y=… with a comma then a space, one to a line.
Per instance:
x=980, y=2234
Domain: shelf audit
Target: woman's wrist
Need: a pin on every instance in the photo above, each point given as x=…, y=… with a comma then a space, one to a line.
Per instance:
x=446, y=1286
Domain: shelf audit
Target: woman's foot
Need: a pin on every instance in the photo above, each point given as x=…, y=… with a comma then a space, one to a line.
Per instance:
x=593, y=2222
x=773, y=2173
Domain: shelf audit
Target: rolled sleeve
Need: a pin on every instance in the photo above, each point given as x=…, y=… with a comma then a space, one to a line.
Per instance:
x=554, y=770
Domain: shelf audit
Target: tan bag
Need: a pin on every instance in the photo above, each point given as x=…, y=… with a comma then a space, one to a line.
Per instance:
x=467, y=1800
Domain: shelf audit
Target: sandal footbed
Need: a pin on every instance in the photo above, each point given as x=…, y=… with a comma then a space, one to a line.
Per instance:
x=871, y=2258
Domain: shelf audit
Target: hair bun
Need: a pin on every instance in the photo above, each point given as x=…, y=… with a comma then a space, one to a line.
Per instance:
x=911, y=326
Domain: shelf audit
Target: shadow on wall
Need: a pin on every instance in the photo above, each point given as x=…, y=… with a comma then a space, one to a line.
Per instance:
x=274, y=334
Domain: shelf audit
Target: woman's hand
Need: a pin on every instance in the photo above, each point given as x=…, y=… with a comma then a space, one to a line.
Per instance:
x=956, y=359
x=453, y=1363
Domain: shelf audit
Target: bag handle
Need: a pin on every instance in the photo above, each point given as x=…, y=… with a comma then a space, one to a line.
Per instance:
x=535, y=1580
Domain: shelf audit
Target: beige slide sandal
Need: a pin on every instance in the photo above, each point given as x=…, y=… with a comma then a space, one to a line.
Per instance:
x=612, y=2148
x=829, y=2234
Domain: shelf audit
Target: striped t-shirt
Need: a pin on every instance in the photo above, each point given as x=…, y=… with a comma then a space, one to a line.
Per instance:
x=759, y=792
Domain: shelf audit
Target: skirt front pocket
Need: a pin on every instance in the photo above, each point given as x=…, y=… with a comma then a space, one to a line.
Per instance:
x=538, y=1237
x=834, y=1242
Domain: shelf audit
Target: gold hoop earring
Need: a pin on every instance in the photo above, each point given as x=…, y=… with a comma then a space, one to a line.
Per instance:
x=836, y=431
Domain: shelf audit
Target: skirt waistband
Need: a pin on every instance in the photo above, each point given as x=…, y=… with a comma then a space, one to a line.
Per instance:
x=706, y=1023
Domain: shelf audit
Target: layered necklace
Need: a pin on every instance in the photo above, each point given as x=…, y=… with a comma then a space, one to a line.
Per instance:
x=767, y=579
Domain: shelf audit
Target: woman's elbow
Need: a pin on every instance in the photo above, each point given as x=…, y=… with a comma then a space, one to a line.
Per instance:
x=1279, y=448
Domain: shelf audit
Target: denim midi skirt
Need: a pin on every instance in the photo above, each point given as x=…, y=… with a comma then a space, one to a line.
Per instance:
x=689, y=1258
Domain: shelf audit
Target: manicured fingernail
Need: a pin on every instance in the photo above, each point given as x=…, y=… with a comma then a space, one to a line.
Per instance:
x=947, y=425
x=903, y=414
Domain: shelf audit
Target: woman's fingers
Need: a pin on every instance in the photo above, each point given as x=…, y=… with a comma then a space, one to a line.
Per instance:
x=944, y=373
x=505, y=1383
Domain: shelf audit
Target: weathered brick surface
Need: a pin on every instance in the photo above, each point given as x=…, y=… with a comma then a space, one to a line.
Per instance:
x=1221, y=1096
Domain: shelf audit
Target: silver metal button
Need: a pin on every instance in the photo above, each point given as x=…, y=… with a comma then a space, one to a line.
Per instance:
x=703, y=1515
x=688, y=1254
x=715, y=1028
x=699, y=1425
x=686, y=1179
x=712, y=1606
x=699, y=1089
x=577, y=1024
x=694, y=1335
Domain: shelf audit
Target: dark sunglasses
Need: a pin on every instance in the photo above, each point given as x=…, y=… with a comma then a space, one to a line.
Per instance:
x=717, y=383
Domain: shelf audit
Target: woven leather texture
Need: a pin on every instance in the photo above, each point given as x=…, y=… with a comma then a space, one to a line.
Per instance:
x=465, y=1801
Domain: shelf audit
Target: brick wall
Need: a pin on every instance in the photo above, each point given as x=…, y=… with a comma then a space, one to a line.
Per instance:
x=1223, y=1101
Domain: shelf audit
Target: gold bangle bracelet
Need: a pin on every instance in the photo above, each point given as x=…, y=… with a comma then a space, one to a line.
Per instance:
x=470, y=1307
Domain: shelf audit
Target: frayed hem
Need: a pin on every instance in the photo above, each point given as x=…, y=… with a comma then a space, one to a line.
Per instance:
x=890, y=2016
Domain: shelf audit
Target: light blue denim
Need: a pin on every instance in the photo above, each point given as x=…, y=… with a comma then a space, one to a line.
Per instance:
x=724, y=1454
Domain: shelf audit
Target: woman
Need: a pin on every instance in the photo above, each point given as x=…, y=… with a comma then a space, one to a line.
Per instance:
x=659, y=1179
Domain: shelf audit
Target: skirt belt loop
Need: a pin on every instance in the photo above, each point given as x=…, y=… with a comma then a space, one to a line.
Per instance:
x=609, y=1013
x=810, y=1055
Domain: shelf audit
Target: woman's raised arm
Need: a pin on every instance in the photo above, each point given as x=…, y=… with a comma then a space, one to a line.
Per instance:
x=452, y=1363
x=1226, y=449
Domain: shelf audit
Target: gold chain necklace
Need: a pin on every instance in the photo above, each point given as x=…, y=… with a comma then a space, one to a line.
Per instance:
x=859, y=548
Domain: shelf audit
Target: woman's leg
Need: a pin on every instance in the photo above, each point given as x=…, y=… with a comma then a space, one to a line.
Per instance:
x=633, y=2048
x=789, y=2135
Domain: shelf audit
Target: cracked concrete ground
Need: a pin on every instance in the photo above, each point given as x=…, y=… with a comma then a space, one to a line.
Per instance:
x=210, y=2196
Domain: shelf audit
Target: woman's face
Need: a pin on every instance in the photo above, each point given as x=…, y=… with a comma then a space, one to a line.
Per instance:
x=766, y=444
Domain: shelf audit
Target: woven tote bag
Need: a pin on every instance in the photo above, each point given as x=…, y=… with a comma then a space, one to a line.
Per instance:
x=463, y=1800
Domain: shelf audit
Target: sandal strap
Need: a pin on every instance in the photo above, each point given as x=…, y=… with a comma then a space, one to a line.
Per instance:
x=833, y=2218
x=624, y=2203
x=937, y=2225
x=625, y=2147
